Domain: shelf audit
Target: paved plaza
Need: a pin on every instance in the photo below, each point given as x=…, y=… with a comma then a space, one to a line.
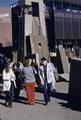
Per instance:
x=57, y=109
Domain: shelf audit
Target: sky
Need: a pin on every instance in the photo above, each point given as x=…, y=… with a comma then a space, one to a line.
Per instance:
x=6, y=2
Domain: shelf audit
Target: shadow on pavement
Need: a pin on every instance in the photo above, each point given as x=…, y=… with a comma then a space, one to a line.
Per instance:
x=62, y=80
x=21, y=100
x=73, y=104
x=2, y=97
x=62, y=96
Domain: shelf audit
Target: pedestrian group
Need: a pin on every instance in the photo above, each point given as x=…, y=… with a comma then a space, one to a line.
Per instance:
x=27, y=76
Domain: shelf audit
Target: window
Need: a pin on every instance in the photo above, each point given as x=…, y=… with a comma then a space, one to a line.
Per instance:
x=28, y=9
x=35, y=9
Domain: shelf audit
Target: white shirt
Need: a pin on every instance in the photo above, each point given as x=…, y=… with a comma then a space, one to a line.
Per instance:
x=49, y=74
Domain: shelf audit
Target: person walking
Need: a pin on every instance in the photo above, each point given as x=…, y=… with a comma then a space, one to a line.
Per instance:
x=53, y=71
x=8, y=84
x=19, y=80
x=29, y=78
x=45, y=74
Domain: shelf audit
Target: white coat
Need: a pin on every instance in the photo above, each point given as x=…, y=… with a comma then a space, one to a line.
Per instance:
x=53, y=76
x=7, y=78
x=50, y=74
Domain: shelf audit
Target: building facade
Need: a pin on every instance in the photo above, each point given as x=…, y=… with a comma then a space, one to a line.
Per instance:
x=30, y=33
x=65, y=17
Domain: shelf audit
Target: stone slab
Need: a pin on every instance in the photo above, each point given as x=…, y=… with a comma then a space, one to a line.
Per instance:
x=65, y=76
x=62, y=59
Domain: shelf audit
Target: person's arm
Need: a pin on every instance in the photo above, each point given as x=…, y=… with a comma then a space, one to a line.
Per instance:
x=23, y=78
x=34, y=71
x=41, y=77
x=54, y=69
x=13, y=78
x=15, y=84
x=3, y=75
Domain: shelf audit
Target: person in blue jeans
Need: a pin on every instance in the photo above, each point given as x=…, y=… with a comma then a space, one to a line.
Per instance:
x=46, y=76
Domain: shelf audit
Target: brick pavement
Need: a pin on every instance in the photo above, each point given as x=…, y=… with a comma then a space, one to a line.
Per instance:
x=58, y=109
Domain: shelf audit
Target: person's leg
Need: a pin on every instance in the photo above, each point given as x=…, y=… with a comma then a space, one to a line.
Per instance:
x=16, y=93
x=11, y=94
x=28, y=92
x=17, y=90
x=49, y=90
x=32, y=93
x=21, y=84
x=6, y=98
x=45, y=95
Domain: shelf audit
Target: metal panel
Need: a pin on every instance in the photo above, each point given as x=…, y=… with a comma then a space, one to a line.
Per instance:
x=75, y=23
x=80, y=28
x=58, y=28
x=67, y=28
x=72, y=1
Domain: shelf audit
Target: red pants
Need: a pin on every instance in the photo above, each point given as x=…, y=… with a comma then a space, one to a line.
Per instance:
x=30, y=92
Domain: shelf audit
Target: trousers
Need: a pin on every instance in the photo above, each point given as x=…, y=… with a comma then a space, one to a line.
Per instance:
x=47, y=92
x=10, y=94
x=30, y=92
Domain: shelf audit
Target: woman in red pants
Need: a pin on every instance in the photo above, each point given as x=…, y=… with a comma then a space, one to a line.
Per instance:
x=29, y=77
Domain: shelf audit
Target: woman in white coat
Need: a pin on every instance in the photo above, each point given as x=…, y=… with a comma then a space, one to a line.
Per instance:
x=8, y=84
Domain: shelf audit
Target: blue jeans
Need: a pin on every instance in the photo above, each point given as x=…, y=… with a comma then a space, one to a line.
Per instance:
x=9, y=94
x=47, y=92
